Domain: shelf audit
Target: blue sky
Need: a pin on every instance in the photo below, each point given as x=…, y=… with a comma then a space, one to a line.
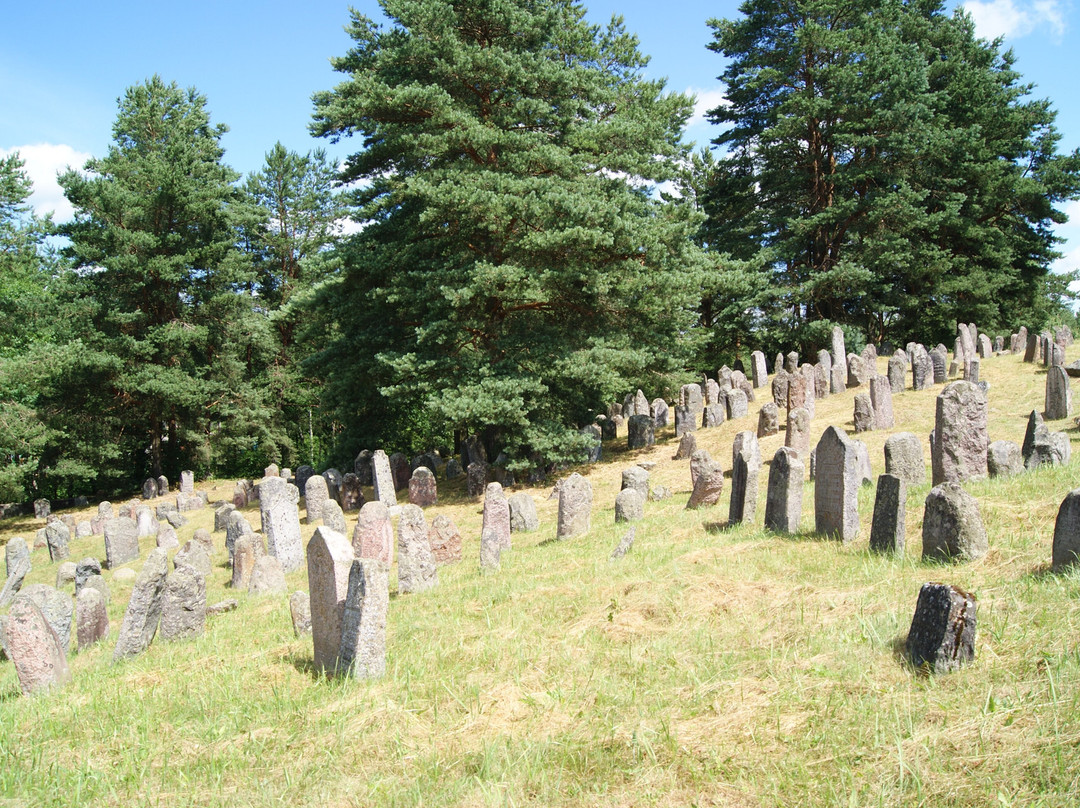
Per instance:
x=64, y=64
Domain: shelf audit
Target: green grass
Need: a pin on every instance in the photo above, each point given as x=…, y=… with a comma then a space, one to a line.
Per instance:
x=708, y=667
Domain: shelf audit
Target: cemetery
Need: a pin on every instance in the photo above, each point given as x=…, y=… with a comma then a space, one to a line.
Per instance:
x=822, y=591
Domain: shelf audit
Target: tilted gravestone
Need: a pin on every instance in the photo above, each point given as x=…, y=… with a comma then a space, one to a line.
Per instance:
x=1058, y=401
x=362, y=650
x=329, y=562
x=687, y=446
x=183, y=608
x=942, y=633
x=32, y=645
x=836, y=486
x=708, y=481
x=143, y=613
x=57, y=535
x=783, y=502
x=1043, y=447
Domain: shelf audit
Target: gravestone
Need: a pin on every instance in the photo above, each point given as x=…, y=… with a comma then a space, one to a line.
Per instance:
x=640, y=431
x=1066, y=548
x=575, y=506
x=1058, y=401
x=687, y=446
x=267, y=577
x=362, y=653
x=882, y=403
x=523, y=517
x=904, y=458
x=960, y=442
x=856, y=372
x=897, y=372
x=768, y=420
x=659, y=412
x=362, y=467
x=780, y=386
x=145, y=524
x=758, y=370
x=839, y=352
x=238, y=526
x=166, y=537
x=57, y=535
x=712, y=391
x=490, y=550
x=1043, y=447
x=221, y=516
x=821, y=381
x=352, y=494
x=15, y=551
x=34, y=648
x=373, y=536
x=300, y=612
x=952, y=525
x=594, y=442
x=497, y=514
x=42, y=508
x=691, y=397
x=836, y=486
x=809, y=402
x=334, y=517
x=56, y=608
x=796, y=396
x=183, y=606
x=162, y=485
x=888, y=525
x=939, y=362
x=149, y=488
x=143, y=613
x=685, y=420
x=400, y=470
x=453, y=469
x=629, y=506
x=65, y=574
x=864, y=413
x=746, y=465
x=791, y=362
x=737, y=404
x=187, y=482
x=303, y=474
x=417, y=571
x=922, y=369
x=247, y=548
x=708, y=480
x=278, y=508
x=699, y=462
x=798, y=432
x=624, y=545
x=423, y=490
x=1032, y=347
x=329, y=562
x=942, y=633
x=121, y=541
x=91, y=618
x=636, y=478
x=783, y=502
x=715, y=414
x=194, y=558
x=383, y=479
x=476, y=478
x=1004, y=459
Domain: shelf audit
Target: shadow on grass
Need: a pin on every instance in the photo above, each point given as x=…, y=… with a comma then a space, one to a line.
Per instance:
x=305, y=664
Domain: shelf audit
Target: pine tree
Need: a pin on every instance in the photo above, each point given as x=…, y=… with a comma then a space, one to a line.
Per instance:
x=515, y=272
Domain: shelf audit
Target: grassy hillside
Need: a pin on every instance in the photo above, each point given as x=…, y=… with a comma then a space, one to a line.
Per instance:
x=709, y=667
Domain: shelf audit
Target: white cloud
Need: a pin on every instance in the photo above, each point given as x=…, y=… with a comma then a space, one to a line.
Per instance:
x=43, y=162
x=1015, y=18
x=707, y=99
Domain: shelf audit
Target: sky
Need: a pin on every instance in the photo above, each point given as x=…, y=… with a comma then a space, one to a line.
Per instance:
x=63, y=66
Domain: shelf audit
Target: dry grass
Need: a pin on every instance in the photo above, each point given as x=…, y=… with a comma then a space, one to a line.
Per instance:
x=710, y=667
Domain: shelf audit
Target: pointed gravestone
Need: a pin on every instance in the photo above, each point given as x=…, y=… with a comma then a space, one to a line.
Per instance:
x=362, y=651
x=417, y=571
x=659, y=412
x=329, y=562
x=1043, y=447
x=783, y=501
x=836, y=486
x=144, y=608
x=575, y=507
x=960, y=434
x=746, y=466
x=373, y=536
x=1066, y=548
x=334, y=517
x=1058, y=401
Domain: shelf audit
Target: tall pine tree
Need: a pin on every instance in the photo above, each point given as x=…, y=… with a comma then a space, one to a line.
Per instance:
x=515, y=272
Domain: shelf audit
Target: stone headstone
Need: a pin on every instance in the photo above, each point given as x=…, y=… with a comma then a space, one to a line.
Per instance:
x=144, y=608
x=1043, y=447
x=699, y=463
x=864, y=413
x=267, y=577
x=791, y=362
x=523, y=517
x=904, y=458
x=839, y=351
x=162, y=486
x=575, y=507
x=640, y=431
x=1066, y=548
x=246, y=550
x=15, y=551
x=121, y=541
x=687, y=446
x=476, y=477
x=746, y=466
x=759, y=371
x=445, y=539
x=768, y=420
x=149, y=488
x=383, y=479
x=715, y=414
x=836, y=486
x=1058, y=401
x=496, y=514
x=362, y=467
x=960, y=434
x=897, y=373
x=183, y=607
x=238, y=526
x=221, y=516
x=193, y=558
x=490, y=550
x=939, y=366
x=882, y=403
x=637, y=478
x=952, y=525
x=856, y=371
x=362, y=652
x=942, y=633
x=399, y=470
x=423, y=490
x=145, y=524
x=798, y=432
x=737, y=406
x=83, y=529
x=278, y=507
x=780, y=388
x=783, y=502
x=300, y=612
x=629, y=506
x=329, y=562
x=1032, y=347
x=659, y=412
x=708, y=481
x=888, y=525
x=303, y=474
x=691, y=397
x=453, y=469
x=1004, y=458
x=91, y=618
x=373, y=535
x=32, y=645
x=187, y=482
x=685, y=420
x=334, y=517
x=624, y=545
x=352, y=495
x=594, y=438
x=42, y=508
x=821, y=381
x=316, y=495
x=57, y=535
x=417, y=570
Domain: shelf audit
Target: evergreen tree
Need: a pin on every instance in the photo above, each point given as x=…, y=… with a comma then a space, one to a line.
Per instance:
x=515, y=272
x=163, y=366
x=888, y=166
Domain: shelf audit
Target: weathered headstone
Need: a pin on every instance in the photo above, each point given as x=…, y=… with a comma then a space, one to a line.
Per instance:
x=238, y=526
x=423, y=489
x=329, y=562
x=187, y=482
x=399, y=470
x=352, y=495
x=316, y=495
x=691, y=397
x=476, y=478
x=904, y=458
x=942, y=633
x=267, y=577
x=300, y=612
x=960, y=434
x=783, y=501
x=145, y=524
x=897, y=372
x=1066, y=548
x=708, y=480
x=417, y=570
x=362, y=653
x=699, y=463
x=640, y=432
x=746, y=466
x=121, y=541
x=856, y=371
x=594, y=437
x=1058, y=401
x=575, y=507
x=715, y=414
x=33, y=646
x=144, y=608
x=780, y=386
x=42, y=508
x=305, y=473
x=864, y=413
x=445, y=539
x=737, y=406
x=629, y=506
x=183, y=608
x=1004, y=459
x=15, y=551
x=383, y=479
x=687, y=446
x=91, y=618
x=496, y=514
x=57, y=535
x=373, y=535
x=952, y=525
x=523, y=517
x=888, y=525
x=1043, y=447
x=798, y=432
x=768, y=420
x=221, y=516
x=882, y=403
x=278, y=507
x=149, y=488
x=334, y=517
x=659, y=412
x=836, y=486
x=490, y=550
x=624, y=545
x=758, y=368
x=637, y=478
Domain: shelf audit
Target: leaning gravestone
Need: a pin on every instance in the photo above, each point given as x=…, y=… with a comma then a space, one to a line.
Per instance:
x=1058, y=401
x=362, y=651
x=383, y=479
x=445, y=539
x=15, y=551
x=183, y=607
x=91, y=618
x=56, y=607
x=700, y=462
x=316, y=495
x=417, y=570
x=34, y=648
x=497, y=514
x=329, y=562
x=942, y=633
x=746, y=466
x=523, y=517
x=708, y=484
x=373, y=535
x=1043, y=447
x=836, y=486
x=281, y=522
x=960, y=442
x=783, y=502
x=575, y=506
x=887, y=528
x=121, y=541
x=715, y=414
x=1066, y=548
x=144, y=608
x=952, y=525
x=640, y=432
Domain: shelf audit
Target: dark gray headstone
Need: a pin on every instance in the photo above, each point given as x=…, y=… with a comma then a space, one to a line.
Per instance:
x=640, y=431
x=1066, y=549
x=1058, y=401
x=836, y=486
x=746, y=466
x=659, y=412
x=783, y=502
x=351, y=494
x=890, y=505
x=942, y=633
x=476, y=477
x=1043, y=447
x=362, y=467
x=305, y=473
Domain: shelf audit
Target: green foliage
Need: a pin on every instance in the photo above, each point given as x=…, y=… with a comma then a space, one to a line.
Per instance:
x=889, y=166
x=514, y=272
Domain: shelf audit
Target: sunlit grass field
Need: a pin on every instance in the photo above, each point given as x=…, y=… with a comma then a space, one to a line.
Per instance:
x=709, y=667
